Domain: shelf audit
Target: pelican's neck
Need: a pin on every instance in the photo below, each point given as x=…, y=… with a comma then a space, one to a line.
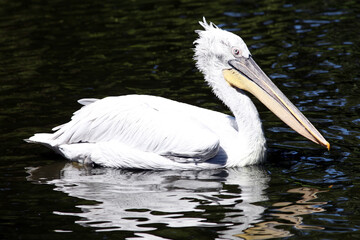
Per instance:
x=250, y=133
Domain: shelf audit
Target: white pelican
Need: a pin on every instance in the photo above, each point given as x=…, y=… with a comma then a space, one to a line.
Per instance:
x=148, y=132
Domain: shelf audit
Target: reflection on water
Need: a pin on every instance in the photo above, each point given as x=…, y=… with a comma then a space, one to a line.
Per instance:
x=141, y=200
x=136, y=200
x=288, y=215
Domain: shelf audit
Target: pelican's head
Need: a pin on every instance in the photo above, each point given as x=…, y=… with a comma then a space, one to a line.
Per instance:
x=224, y=59
x=216, y=47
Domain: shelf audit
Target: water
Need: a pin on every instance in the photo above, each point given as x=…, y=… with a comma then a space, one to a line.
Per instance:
x=53, y=53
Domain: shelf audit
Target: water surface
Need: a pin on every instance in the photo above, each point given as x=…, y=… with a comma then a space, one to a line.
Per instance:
x=54, y=53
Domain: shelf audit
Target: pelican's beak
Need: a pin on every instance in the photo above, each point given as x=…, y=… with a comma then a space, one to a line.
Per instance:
x=247, y=75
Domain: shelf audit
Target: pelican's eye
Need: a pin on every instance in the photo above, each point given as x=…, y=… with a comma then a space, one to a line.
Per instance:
x=236, y=52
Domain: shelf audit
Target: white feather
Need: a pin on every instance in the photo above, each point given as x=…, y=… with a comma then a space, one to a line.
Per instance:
x=147, y=132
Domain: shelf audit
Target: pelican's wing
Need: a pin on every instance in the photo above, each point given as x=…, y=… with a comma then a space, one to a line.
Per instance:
x=141, y=124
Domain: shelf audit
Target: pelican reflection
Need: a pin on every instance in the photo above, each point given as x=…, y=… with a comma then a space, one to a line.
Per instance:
x=139, y=201
x=136, y=200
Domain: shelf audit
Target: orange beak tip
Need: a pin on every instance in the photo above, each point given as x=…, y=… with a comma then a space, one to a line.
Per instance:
x=328, y=146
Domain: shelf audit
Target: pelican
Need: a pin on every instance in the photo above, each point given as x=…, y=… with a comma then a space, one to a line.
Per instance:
x=149, y=132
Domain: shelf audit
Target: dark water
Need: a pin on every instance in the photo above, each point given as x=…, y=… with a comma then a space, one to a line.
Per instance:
x=55, y=52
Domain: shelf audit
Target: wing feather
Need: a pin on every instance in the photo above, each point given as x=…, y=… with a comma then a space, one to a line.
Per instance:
x=142, y=124
x=87, y=101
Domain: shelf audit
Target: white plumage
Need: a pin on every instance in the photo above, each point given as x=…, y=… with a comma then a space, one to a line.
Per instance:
x=148, y=132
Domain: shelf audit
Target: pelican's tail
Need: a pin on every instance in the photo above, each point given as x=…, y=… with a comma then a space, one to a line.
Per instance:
x=45, y=139
x=74, y=152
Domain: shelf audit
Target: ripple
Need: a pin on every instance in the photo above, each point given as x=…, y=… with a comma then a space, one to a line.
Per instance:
x=330, y=64
x=340, y=102
x=236, y=14
x=314, y=93
x=334, y=13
